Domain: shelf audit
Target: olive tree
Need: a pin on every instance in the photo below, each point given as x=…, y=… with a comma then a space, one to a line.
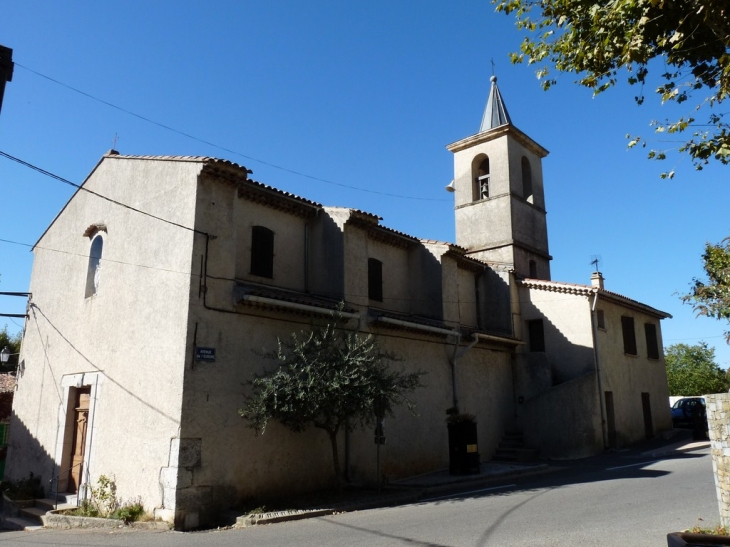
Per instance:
x=330, y=378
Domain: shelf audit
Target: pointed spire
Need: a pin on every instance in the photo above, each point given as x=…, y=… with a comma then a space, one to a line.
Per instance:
x=496, y=113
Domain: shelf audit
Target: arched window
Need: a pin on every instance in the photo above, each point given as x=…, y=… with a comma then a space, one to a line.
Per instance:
x=93, y=272
x=480, y=169
x=262, y=251
x=526, y=178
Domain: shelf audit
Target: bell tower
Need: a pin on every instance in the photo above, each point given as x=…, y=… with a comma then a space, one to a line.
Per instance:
x=499, y=201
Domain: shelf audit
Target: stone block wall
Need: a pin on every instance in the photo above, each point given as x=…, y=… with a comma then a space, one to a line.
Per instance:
x=718, y=421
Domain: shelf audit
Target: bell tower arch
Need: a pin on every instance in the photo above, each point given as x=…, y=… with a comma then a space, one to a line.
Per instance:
x=499, y=199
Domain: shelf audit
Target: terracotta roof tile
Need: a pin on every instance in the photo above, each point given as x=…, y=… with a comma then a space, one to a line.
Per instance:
x=587, y=290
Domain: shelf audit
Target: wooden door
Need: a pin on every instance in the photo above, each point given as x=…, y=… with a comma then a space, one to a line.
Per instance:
x=81, y=419
x=648, y=422
x=611, y=420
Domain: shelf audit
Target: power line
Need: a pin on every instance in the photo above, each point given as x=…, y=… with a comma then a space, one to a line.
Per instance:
x=79, y=187
x=219, y=147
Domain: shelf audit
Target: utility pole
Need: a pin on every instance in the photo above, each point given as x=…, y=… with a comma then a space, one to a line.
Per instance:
x=6, y=70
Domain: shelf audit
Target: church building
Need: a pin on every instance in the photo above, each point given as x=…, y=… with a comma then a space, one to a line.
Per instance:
x=149, y=310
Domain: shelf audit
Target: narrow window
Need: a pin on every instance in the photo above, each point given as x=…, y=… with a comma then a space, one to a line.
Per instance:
x=375, y=279
x=481, y=180
x=536, y=334
x=526, y=178
x=601, y=319
x=533, y=269
x=652, y=345
x=627, y=327
x=262, y=252
x=93, y=272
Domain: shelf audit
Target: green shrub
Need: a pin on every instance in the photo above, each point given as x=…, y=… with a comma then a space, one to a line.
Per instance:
x=104, y=503
x=131, y=511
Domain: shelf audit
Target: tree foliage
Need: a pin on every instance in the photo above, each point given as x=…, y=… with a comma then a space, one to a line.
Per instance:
x=711, y=297
x=691, y=370
x=596, y=40
x=330, y=378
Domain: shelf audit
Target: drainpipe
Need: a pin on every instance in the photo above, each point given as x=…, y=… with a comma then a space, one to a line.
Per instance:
x=601, y=398
x=455, y=357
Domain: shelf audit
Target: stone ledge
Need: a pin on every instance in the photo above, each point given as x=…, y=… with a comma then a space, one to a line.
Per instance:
x=55, y=519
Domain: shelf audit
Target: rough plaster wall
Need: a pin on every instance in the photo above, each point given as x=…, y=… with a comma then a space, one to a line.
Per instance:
x=564, y=422
x=396, y=290
x=326, y=257
x=417, y=444
x=356, y=266
x=567, y=327
x=718, y=421
x=425, y=282
x=516, y=150
x=467, y=298
x=234, y=461
x=496, y=303
x=449, y=288
x=533, y=374
x=288, y=244
x=484, y=223
x=135, y=338
x=499, y=169
x=627, y=376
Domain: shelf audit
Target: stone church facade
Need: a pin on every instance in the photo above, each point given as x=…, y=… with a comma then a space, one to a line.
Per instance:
x=144, y=329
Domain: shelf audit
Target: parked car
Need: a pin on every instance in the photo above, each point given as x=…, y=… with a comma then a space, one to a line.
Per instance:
x=684, y=410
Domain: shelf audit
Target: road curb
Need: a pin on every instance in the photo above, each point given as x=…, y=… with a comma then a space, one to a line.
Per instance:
x=418, y=493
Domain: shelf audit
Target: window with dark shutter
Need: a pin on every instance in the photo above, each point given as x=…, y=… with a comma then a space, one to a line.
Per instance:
x=536, y=334
x=375, y=279
x=627, y=327
x=262, y=252
x=652, y=344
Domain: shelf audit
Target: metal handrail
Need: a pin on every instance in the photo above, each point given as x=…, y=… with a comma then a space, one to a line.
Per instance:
x=56, y=477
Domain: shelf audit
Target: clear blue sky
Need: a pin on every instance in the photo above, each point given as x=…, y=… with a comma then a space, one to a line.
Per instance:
x=364, y=95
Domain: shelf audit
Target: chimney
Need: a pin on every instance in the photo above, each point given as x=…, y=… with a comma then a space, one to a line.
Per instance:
x=597, y=280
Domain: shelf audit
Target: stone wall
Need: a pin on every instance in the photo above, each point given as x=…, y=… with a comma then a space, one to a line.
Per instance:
x=718, y=421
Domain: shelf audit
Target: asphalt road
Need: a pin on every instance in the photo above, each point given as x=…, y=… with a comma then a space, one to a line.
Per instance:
x=620, y=499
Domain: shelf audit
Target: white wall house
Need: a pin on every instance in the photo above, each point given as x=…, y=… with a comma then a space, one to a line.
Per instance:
x=150, y=306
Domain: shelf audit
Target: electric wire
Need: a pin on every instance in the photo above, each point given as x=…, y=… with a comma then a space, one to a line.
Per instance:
x=194, y=275
x=80, y=187
x=223, y=148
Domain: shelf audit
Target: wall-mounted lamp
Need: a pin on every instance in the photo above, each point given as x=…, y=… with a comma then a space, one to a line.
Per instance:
x=4, y=355
x=450, y=187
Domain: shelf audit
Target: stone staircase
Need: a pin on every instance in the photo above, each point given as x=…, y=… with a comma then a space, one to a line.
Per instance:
x=24, y=516
x=512, y=449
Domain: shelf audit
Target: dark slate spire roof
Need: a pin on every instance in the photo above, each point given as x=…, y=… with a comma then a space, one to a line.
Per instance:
x=496, y=113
